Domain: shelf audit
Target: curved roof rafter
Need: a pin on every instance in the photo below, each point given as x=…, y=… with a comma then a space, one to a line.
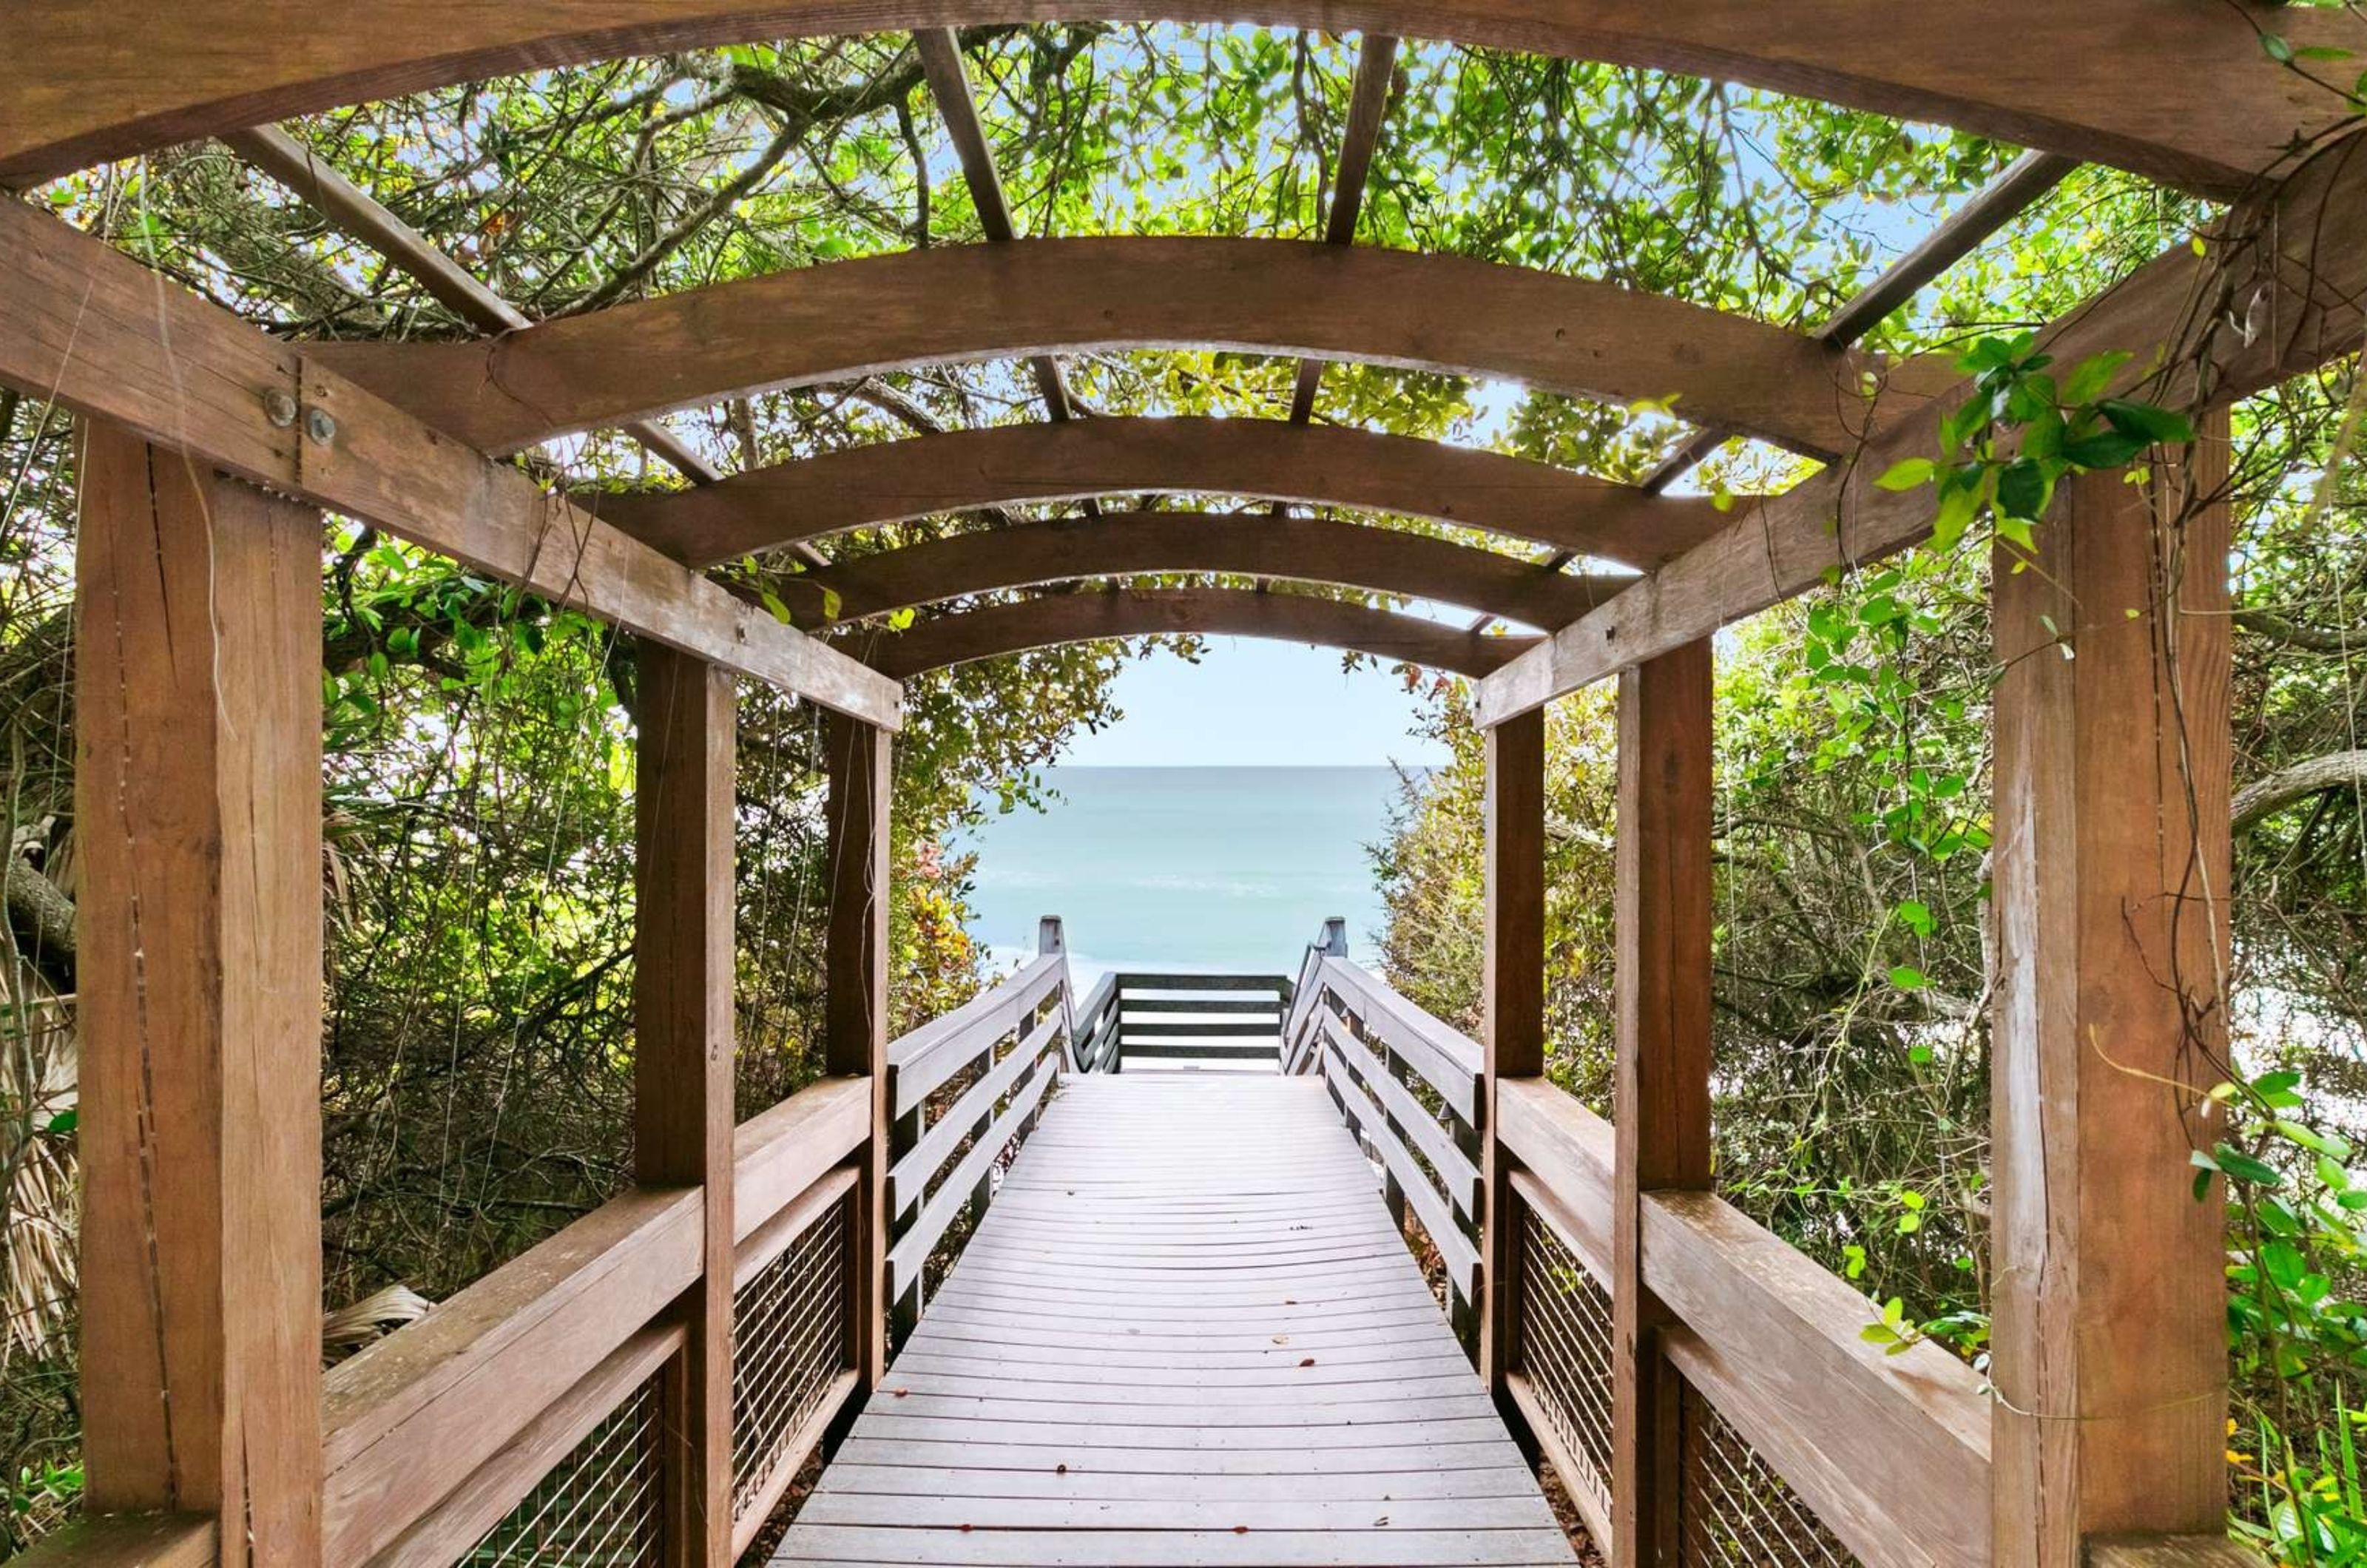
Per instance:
x=965, y=303
x=1294, y=549
x=1059, y=620
x=2177, y=90
x=1267, y=459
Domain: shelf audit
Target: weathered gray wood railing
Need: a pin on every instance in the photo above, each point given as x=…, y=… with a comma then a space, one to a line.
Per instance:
x=1409, y=1087
x=1791, y=1429
x=961, y=1090
x=1175, y=1017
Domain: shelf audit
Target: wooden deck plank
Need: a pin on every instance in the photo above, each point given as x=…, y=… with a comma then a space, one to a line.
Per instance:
x=1186, y=1333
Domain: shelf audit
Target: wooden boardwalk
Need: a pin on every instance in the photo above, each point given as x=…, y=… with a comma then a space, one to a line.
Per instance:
x=1185, y=1333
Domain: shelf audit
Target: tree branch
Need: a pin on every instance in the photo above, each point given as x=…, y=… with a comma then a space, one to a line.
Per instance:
x=2265, y=797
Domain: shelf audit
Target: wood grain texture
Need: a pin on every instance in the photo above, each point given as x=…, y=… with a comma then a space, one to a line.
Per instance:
x=1892, y=1452
x=780, y=1153
x=1368, y=108
x=2110, y=876
x=126, y=1540
x=445, y=1534
x=2290, y=266
x=1187, y=1332
x=684, y=972
x=1512, y=997
x=1297, y=549
x=2177, y=89
x=1323, y=465
x=861, y=762
x=1569, y=1152
x=1662, y=913
x=963, y=303
x=88, y=325
x=197, y=768
x=999, y=629
x=416, y=1414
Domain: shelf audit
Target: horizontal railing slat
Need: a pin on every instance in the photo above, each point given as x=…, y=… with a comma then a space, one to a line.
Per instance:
x=1460, y=1257
x=909, y=1176
x=416, y=1414
x=1278, y=984
x=1205, y=1051
x=1456, y=1168
x=445, y=1533
x=1153, y=1029
x=918, y=1063
x=775, y=1237
x=1450, y=1063
x=1568, y=1151
x=1774, y=1340
x=911, y=1251
x=780, y=1153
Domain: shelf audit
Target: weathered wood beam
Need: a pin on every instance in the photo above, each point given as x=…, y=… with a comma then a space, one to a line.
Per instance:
x=1297, y=549
x=861, y=764
x=416, y=1415
x=1662, y=915
x=683, y=971
x=361, y=216
x=2181, y=90
x=2279, y=290
x=2112, y=884
x=106, y=337
x=1056, y=619
x=964, y=303
x=1513, y=999
x=1995, y=205
x=1368, y=106
x=1775, y=1342
x=965, y=470
x=941, y=61
x=198, y=773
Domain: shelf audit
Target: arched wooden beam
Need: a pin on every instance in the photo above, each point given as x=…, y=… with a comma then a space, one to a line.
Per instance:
x=1149, y=612
x=2180, y=90
x=1297, y=549
x=957, y=303
x=1269, y=459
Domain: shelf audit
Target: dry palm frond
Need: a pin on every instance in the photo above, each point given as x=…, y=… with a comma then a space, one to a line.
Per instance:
x=347, y=1329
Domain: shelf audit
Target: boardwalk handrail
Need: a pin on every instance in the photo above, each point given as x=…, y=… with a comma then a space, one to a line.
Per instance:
x=431, y=1435
x=1767, y=1341
x=996, y=1055
x=1411, y=1087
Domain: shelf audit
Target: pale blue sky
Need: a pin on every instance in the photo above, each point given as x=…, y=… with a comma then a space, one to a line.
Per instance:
x=1250, y=702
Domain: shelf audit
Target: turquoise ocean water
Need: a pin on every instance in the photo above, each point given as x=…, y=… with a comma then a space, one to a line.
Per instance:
x=1194, y=868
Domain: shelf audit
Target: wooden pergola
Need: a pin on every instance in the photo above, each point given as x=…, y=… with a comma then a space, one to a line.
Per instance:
x=210, y=451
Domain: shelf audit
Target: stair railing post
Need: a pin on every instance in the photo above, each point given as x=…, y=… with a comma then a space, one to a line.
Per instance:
x=1662, y=915
x=198, y=958
x=860, y=760
x=1513, y=999
x=684, y=1060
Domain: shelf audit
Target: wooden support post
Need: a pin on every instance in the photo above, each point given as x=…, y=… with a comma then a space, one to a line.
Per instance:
x=1662, y=981
x=198, y=811
x=855, y=976
x=683, y=1076
x=1513, y=987
x=2110, y=897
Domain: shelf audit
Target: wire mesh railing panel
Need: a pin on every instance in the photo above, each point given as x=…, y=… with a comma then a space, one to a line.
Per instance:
x=791, y=1337
x=1733, y=1511
x=596, y=1508
x=1564, y=1349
